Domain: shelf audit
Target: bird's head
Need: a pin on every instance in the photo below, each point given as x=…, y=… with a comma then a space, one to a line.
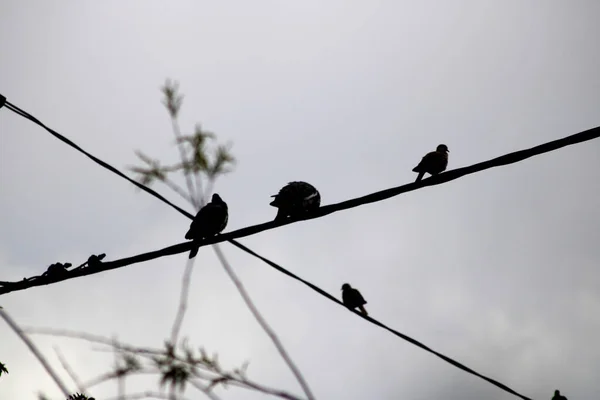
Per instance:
x=217, y=199
x=345, y=286
x=442, y=148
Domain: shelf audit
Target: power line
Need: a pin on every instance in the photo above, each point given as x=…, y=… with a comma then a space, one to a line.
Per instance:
x=374, y=197
x=57, y=135
x=447, y=176
x=381, y=325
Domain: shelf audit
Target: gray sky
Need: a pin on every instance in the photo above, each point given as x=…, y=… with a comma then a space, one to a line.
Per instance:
x=498, y=270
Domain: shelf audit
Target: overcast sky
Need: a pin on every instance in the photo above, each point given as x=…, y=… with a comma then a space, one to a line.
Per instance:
x=498, y=270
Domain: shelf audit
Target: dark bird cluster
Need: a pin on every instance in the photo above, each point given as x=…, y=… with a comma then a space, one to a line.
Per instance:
x=433, y=163
x=210, y=221
x=57, y=269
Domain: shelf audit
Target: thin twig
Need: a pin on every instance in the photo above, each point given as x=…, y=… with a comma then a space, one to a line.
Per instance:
x=119, y=376
x=109, y=376
x=204, y=390
x=262, y=322
x=144, y=395
x=178, y=189
x=185, y=287
x=246, y=384
x=69, y=370
x=35, y=351
x=186, y=173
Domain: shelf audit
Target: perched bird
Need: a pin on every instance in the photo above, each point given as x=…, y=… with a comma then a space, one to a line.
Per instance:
x=558, y=396
x=79, y=396
x=433, y=163
x=295, y=199
x=57, y=269
x=95, y=260
x=352, y=298
x=210, y=220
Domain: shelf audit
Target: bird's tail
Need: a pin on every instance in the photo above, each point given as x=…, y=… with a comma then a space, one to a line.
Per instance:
x=363, y=311
x=194, y=251
x=420, y=176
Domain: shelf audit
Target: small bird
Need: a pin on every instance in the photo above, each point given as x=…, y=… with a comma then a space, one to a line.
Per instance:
x=433, y=163
x=95, y=260
x=558, y=396
x=57, y=269
x=210, y=220
x=352, y=298
x=79, y=396
x=295, y=199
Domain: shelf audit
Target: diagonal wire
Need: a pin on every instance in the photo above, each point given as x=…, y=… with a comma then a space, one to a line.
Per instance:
x=381, y=325
x=60, y=137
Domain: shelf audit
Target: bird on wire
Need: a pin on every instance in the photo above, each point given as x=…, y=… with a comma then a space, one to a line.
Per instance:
x=433, y=163
x=57, y=269
x=558, y=396
x=210, y=221
x=352, y=298
x=95, y=260
x=295, y=200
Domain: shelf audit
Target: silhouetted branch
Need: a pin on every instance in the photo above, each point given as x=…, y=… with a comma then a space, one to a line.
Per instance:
x=13, y=325
x=185, y=287
x=69, y=370
x=173, y=103
x=144, y=395
x=222, y=160
x=263, y=323
x=212, y=370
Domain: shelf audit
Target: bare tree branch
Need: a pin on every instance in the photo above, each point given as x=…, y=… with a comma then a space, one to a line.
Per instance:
x=144, y=395
x=185, y=287
x=173, y=103
x=263, y=323
x=13, y=325
x=69, y=370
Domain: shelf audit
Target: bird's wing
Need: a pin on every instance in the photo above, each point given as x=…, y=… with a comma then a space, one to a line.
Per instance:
x=346, y=298
x=359, y=299
x=424, y=162
x=199, y=220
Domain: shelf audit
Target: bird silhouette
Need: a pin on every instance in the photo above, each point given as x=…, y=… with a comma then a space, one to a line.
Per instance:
x=352, y=298
x=433, y=163
x=296, y=199
x=57, y=269
x=95, y=260
x=79, y=396
x=210, y=220
x=558, y=396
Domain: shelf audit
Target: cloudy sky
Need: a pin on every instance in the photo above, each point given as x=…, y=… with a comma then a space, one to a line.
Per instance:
x=498, y=270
